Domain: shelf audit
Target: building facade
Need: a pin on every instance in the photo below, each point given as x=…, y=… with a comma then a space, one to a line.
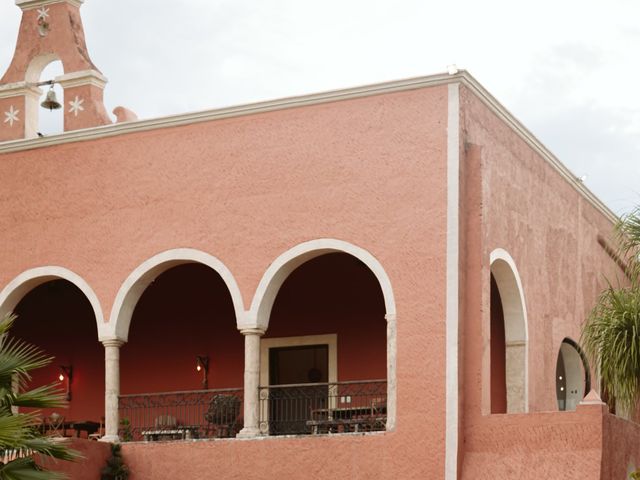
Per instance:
x=383, y=281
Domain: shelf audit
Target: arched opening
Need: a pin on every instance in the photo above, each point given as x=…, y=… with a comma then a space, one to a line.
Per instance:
x=508, y=330
x=182, y=368
x=51, y=122
x=498, y=353
x=324, y=356
x=573, y=379
x=56, y=316
x=43, y=67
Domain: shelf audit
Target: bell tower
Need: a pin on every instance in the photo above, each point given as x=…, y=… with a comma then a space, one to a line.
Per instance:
x=50, y=30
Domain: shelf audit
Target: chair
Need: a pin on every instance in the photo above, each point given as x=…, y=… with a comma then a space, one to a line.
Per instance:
x=222, y=414
x=165, y=422
x=54, y=425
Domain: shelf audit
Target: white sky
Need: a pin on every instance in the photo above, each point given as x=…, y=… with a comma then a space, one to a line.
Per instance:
x=567, y=69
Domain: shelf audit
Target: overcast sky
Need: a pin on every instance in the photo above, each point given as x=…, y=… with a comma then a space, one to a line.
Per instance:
x=569, y=70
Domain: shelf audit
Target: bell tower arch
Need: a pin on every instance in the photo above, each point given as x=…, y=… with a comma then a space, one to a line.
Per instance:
x=50, y=30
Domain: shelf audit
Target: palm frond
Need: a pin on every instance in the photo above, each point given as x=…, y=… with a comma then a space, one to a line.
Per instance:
x=20, y=438
x=628, y=237
x=52, y=447
x=26, y=469
x=611, y=338
x=47, y=396
x=18, y=358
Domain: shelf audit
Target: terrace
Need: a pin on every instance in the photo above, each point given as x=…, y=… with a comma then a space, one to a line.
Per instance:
x=322, y=361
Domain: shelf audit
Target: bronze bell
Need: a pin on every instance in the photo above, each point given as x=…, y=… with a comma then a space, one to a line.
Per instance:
x=51, y=102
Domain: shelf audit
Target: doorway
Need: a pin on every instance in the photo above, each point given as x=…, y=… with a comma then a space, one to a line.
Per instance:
x=298, y=379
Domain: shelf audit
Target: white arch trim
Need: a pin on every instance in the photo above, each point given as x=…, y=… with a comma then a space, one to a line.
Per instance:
x=136, y=283
x=17, y=288
x=506, y=275
x=281, y=268
x=286, y=263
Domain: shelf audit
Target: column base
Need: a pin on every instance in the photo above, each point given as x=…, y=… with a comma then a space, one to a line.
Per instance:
x=110, y=439
x=248, y=432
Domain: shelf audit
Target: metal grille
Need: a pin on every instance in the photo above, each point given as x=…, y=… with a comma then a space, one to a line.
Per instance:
x=321, y=408
x=181, y=415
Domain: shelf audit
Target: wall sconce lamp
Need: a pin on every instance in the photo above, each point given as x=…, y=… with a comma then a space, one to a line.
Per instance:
x=202, y=365
x=66, y=373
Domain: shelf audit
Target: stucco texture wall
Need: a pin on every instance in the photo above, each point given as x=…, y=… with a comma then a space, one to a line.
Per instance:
x=370, y=171
x=551, y=445
x=550, y=230
x=515, y=200
x=94, y=458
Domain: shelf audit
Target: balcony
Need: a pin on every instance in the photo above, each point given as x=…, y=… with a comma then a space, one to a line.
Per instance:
x=298, y=409
x=323, y=408
x=215, y=413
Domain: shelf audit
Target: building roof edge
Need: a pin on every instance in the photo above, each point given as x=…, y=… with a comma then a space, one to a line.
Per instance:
x=524, y=133
x=461, y=76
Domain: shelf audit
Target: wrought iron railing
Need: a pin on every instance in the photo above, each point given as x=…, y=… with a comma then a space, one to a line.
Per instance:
x=181, y=415
x=316, y=408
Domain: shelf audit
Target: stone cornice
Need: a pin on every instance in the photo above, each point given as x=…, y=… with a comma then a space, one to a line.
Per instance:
x=31, y=4
x=461, y=77
x=19, y=88
x=84, y=77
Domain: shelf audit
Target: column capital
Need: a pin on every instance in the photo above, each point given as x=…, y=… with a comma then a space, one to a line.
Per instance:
x=252, y=331
x=113, y=342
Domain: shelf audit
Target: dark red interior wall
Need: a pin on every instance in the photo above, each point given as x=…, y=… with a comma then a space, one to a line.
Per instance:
x=336, y=293
x=187, y=311
x=58, y=318
x=498, y=353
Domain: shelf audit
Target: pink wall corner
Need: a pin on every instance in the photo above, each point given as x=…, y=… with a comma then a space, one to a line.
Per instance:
x=520, y=203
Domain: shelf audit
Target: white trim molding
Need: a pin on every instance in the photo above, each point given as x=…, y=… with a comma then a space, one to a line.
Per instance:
x=504, y=271
x=136, y=283
x=17, y=288
x=286, y=263
x=462, y=78
x=16, y=89
x=452, y=283
x=82, y=78
x=31, y=4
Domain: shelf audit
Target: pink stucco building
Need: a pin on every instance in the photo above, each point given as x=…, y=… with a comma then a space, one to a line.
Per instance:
x=381, y=282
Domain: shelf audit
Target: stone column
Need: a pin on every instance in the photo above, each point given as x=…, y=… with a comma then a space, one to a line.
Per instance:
x=112, y=388
x=391, y=371
x=251, y=382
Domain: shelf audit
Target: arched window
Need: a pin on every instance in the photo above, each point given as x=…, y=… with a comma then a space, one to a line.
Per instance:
x=182, y=365
x=573, y=380
x=508, y=339
x=58, y=312
x=51, y=122
x=346, y=327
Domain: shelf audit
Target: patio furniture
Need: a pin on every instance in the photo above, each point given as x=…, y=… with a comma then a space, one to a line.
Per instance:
x=365, y=418
x=98, y=434
x=79, y=426
x=54, y=425
x=222, y=415
x=165, y=428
